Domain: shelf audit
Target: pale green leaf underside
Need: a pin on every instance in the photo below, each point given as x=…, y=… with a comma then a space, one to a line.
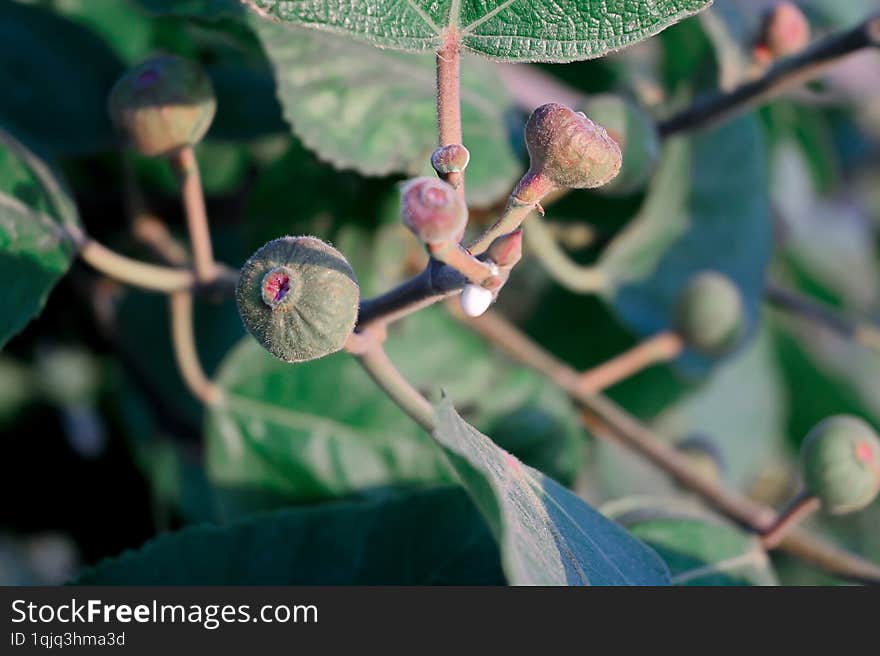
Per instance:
x=547, y=535
x=699, y=548
x=375, y=110
x=35, y=248
x=505, y=30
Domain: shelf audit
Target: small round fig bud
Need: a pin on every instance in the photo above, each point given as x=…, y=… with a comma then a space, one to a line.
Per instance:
x=475, y=300
x=786, y=31
x=709, y=315
x=453, y=158
x=569, y=149
x=433, y=210
x=841, y=464
x=636, y=134
x=163, y=105
x=298, y=297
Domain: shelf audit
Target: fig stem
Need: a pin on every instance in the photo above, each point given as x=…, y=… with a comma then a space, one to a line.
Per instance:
x=456, y=256
x=609, y=421
x=575, y=277
x=133, y=272
x=449, y=100
x=381, y=369
x=196, y=215
x=862, y=332
x=660, y=348
x=801, y=507
x=785, y=74
x=185, y=352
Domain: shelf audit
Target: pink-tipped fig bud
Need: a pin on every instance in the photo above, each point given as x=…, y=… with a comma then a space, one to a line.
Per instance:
x=569, y=149
x=841, y=464
x=786, y=32
x=506, y=251
x=453, y=158
x=162, y=105
x=433, y=210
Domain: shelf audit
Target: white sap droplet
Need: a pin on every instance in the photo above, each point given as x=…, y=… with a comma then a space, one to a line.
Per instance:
x=475, y=300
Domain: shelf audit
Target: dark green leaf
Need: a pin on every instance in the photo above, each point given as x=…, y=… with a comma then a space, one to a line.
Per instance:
x=429, y=538
x=288, y=430
x=548, y=536
x=55, y=75
x=37, y=220
x=509, y=30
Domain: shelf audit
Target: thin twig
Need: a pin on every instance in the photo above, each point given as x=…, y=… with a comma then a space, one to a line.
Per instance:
x=801, y=507
x=785, y=74
x=660, y=348
x=133, y=272
x=575, y=277
x=376, y=363
x=610, y=421
x=196, y=214
x=185, y=352
x=861, y=332
x=449, y=99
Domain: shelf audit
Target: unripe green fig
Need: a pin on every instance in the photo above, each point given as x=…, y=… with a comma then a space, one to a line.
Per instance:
x=841, y=464
x=709, y=315
x=162, y=105
x=636, y=134
x=569, y=149
x=433, y=210
x=452, y=158
x=299, y=298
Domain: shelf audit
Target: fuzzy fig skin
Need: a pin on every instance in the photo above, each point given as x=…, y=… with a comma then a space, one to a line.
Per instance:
x=299, y=298
x=433, y=210
x=569, y=149
x=162, y=105
x=709, y=315
x=453, y=158
x=841, y=464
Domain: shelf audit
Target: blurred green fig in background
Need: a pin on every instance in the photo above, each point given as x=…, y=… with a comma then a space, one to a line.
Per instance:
x=299, y=298
x=162, y=105
x=841, y=464
x=709, y=315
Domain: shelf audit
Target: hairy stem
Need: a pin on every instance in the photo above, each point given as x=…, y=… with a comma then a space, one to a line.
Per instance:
x=609, y=421
x=380, y=368
x=662, y=347
x=196, y=214
x=861, y=332
x=449, y=100
x=801, y=507
x=569, y=274
x=784, y=75
x=133, y=272
x=185, y=353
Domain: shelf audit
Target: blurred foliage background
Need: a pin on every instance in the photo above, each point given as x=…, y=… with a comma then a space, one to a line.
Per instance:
x=103, y=447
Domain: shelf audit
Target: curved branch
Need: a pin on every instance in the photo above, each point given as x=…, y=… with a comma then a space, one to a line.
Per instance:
x=571, y=275
x=185, y=352
x=787, y=73
x=610, y=421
